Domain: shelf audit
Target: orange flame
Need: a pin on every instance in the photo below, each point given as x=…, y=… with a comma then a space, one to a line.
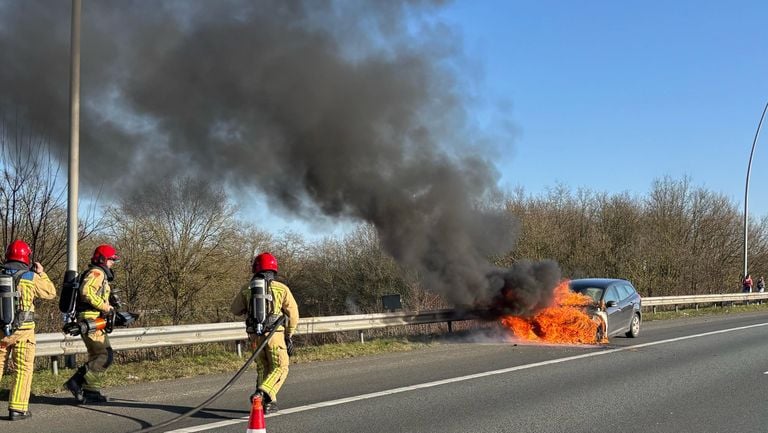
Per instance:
x=564, y=321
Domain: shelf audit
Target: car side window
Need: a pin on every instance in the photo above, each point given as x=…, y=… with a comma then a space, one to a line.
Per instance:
x=630, y=290
x=624, y=292
x=611, y=294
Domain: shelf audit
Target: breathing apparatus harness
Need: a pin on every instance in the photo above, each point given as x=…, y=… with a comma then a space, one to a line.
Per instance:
x=279, y=321
x=70, y=305
x=261, y=308
x=11, y=316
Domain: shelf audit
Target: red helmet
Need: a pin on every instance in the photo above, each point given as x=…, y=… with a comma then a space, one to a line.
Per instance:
x=264, y=262
x=18, y=251
x=102, y=253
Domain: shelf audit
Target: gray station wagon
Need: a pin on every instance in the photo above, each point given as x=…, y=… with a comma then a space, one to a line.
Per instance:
x=617, y=304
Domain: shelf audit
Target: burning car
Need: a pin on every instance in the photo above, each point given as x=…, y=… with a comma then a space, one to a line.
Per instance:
x=568, y=318
x=615, y=302
x=582, y=311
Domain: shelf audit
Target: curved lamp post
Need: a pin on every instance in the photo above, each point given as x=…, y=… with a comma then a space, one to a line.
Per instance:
x=746, y=189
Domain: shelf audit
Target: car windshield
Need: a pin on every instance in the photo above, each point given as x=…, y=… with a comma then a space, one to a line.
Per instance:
x=596, y=293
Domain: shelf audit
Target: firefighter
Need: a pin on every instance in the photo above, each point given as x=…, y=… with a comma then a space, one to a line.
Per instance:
x=31, y=283
x=272, y=363
x=93, y=302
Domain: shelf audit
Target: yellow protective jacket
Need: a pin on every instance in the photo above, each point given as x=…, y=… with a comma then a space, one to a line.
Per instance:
x=32, y=286
x=283, y=301
x=94, y=294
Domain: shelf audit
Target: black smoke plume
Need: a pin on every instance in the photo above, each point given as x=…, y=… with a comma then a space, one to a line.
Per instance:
x=334, y=108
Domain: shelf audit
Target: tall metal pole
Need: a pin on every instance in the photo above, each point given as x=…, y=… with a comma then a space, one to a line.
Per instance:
x=746, y=189
x=74, y=138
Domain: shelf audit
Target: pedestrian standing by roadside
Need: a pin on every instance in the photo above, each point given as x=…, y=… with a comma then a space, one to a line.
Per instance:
x=31, y=283
x=760, y=284
x=746, y=284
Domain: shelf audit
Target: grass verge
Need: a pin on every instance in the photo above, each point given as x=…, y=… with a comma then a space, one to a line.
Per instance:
x=215, y=361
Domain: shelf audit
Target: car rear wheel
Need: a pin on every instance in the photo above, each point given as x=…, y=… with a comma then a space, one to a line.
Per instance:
x=634, y=326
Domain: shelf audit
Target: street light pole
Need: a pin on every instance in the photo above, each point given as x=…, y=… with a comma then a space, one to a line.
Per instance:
x=746, y=189
x=74, y=143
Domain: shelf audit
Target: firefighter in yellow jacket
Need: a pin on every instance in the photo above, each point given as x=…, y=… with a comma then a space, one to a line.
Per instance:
x=31, y=283
x=93, y=302
x=272, y=363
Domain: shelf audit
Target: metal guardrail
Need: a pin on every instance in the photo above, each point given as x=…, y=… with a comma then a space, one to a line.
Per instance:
x=703, y=299
x=55, y=344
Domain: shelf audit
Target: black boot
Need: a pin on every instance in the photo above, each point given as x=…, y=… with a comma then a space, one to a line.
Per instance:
x=16, y=415
x=257, y=393
x=75, y=384
x=268, y=404
x=90, y=397
x=270, y=407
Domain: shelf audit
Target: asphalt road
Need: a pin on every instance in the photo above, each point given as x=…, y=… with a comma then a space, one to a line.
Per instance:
x=693, y=375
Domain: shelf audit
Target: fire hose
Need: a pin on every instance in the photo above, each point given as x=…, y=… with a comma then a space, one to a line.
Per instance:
x=218, y=393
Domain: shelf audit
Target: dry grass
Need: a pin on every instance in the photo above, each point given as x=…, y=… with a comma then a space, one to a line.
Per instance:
x=216, y=359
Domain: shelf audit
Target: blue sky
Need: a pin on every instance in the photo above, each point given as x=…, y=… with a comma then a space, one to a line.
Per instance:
x=611, y=95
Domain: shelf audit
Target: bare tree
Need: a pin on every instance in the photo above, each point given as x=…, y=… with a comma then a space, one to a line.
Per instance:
x=33, y=204
x=187, y=241
x=349, y=275
x=678, y=239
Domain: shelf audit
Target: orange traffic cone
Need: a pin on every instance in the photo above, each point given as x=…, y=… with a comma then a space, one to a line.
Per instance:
x=256, y=420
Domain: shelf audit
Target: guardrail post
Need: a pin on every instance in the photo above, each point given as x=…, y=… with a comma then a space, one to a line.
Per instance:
x=450, y=327
x=55, y=365
x=654, y=309
x=697, y=307
x=362, y=336
x=239, y=349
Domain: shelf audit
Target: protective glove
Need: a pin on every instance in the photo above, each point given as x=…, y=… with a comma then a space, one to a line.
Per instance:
x=289, y=344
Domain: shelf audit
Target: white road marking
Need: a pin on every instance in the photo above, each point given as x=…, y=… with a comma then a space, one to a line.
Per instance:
x=457, y=379
x=211, y=426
